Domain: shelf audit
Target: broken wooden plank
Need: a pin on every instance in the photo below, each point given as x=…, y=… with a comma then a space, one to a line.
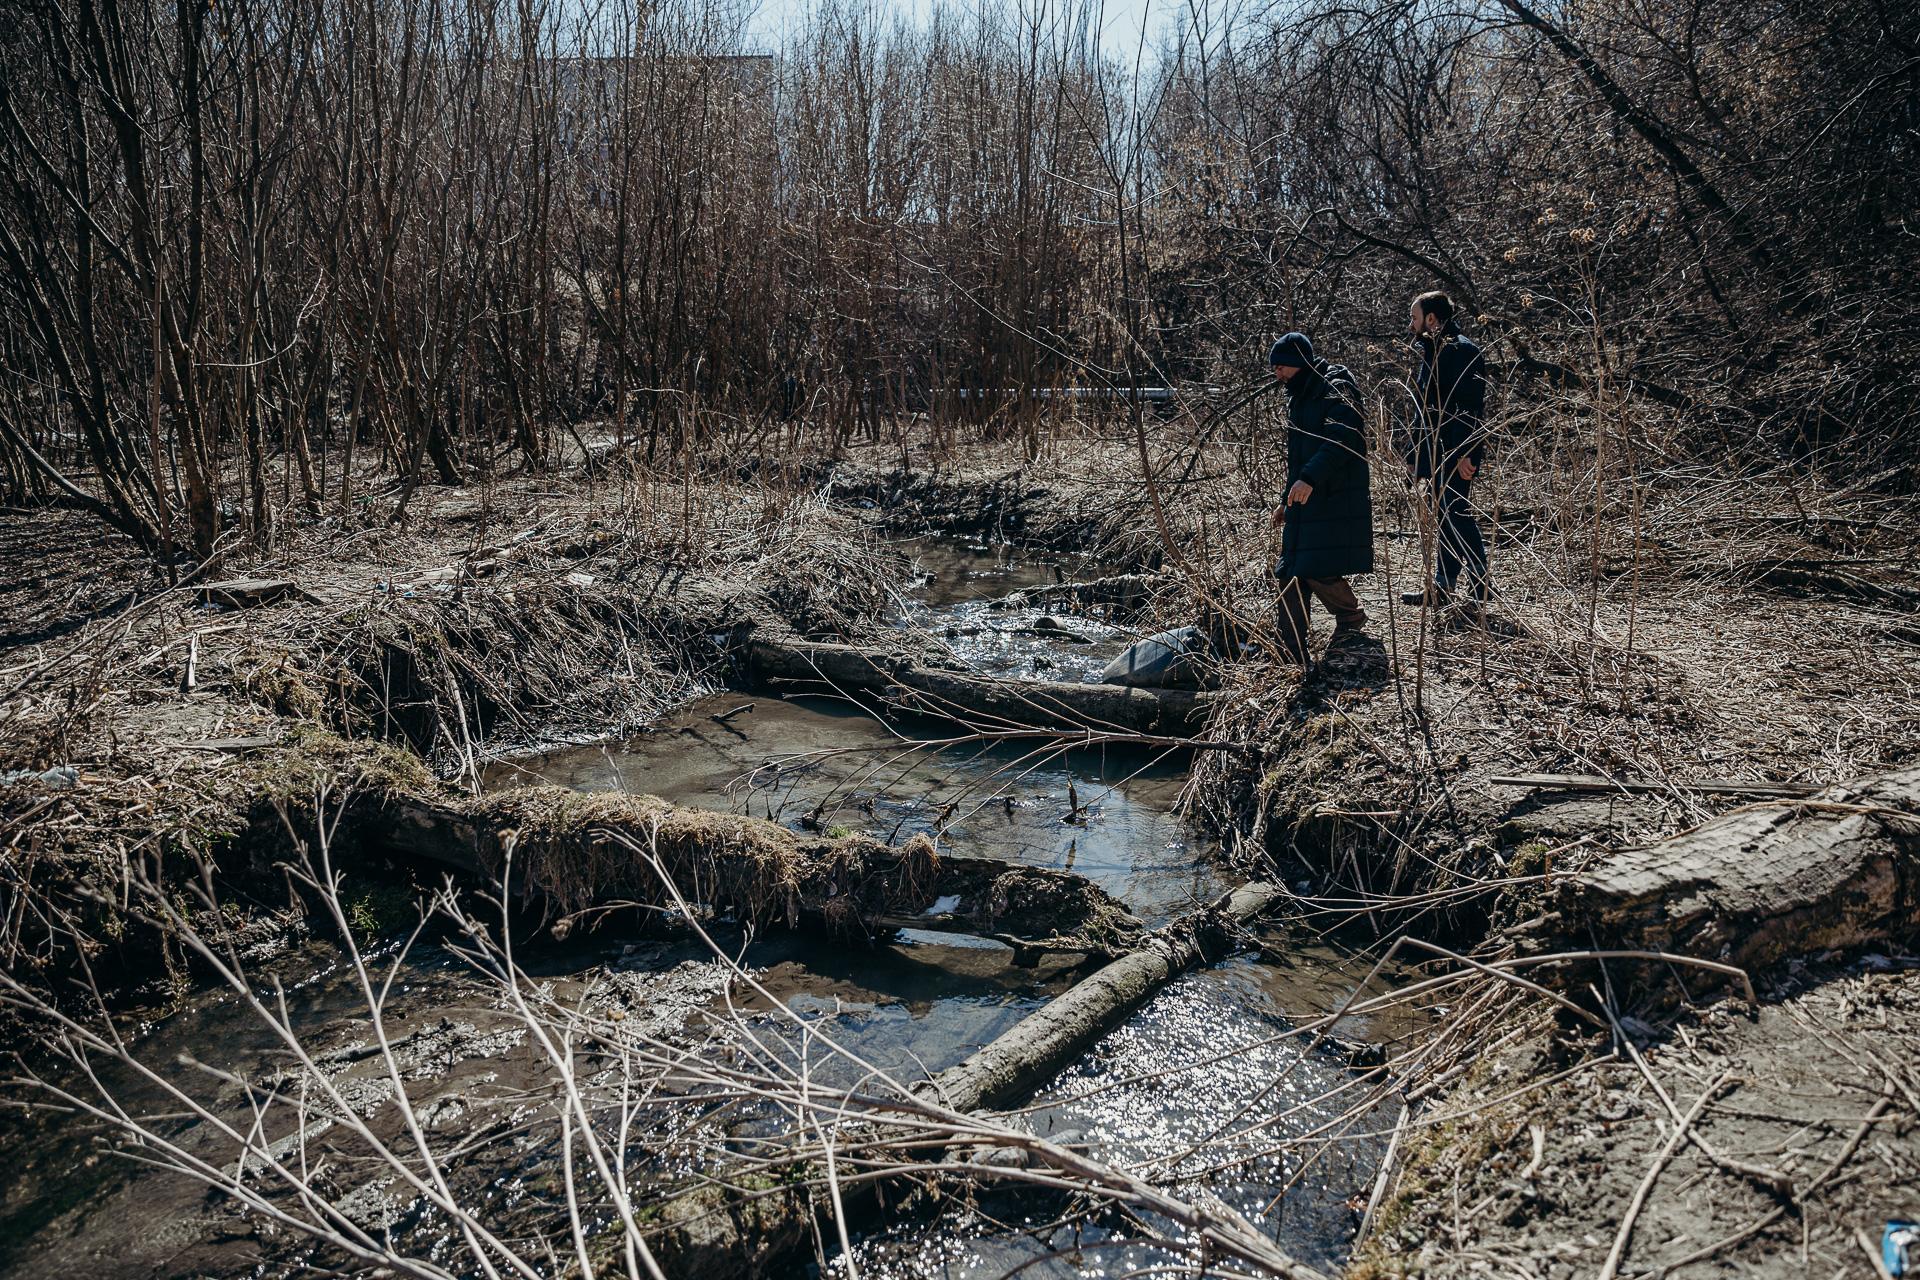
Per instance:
x=1599, y=782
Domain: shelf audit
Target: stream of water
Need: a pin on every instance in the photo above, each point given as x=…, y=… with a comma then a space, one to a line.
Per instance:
x=1155, y=1091
x=966, y=595
x=830, y=766
x=1152, y=1094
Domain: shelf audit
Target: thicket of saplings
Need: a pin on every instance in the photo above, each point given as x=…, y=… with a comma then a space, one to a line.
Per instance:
x=266, y=262
x=252, y=255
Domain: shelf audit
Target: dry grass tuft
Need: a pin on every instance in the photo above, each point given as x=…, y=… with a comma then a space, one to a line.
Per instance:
x=568, y=845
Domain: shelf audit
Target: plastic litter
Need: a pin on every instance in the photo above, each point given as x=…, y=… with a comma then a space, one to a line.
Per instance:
x=62, y=777
x=1900, y=1248
x=1163, y=661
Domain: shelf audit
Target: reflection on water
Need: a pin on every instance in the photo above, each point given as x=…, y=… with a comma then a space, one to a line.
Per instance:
x=71, y=1205
x=821, y=765
x=1206, y=1048
x=1199, y=1053
x=954, y=571
x=910, y=1007
x=962, y=601
x=1195, y=1081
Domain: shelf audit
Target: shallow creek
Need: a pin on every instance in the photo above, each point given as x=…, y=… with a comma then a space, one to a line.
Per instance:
x=965, y=596
x=1187, y=1063
x=816, y=764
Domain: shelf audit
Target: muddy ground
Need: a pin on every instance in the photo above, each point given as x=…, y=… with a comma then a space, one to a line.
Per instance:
x=1730, y=637
x=1809, y=1104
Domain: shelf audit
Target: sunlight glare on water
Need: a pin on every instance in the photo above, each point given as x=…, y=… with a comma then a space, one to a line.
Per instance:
x=967, y=600
x=1180, y=1069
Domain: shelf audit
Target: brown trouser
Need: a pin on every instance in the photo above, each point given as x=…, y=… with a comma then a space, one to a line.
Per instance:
x=1295, y=601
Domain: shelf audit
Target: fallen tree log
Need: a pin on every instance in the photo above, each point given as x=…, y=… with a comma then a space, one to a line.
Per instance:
x=251, y=593
x=1040, y=1045
x=714, y=1232
x=979, y=702
x=1761, y=883
x=580, y=849
x=574, y=850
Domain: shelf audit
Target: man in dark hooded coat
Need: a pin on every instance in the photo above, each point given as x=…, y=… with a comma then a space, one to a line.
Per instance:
x=1327, y=515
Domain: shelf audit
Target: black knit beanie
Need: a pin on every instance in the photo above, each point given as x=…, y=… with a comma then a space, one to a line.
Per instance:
x=1293, y=349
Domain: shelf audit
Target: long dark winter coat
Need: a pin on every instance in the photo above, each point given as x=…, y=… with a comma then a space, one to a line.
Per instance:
x=1329, y=535
x=1450, y=385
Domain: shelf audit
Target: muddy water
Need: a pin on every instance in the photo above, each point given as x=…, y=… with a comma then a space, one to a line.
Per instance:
x=1213, y=1044
x=820, y=765
x=72, y=1204
x=1195, y=1056
x=1209, y=1053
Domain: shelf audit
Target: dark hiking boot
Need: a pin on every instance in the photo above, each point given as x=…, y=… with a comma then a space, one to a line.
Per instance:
x=1346, y=631
x=1432, y=597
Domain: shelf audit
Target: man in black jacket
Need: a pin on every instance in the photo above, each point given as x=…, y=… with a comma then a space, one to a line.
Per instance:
x=1449, y=445
x=1326, y=518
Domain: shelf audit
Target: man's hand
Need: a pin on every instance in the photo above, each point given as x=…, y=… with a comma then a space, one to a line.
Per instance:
x=1300, y=492
x=1465, y=469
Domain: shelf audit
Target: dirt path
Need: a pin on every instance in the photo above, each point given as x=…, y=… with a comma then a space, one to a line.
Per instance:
x=1810, y=1105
